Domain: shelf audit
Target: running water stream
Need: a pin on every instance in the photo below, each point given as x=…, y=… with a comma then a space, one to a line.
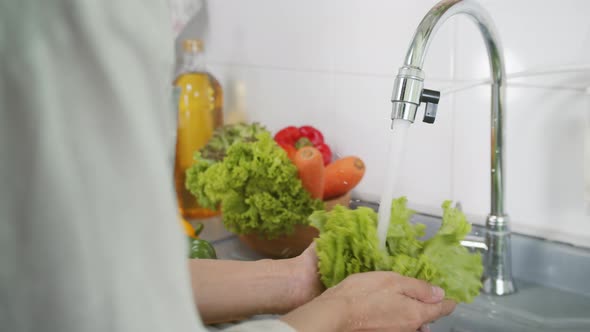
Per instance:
x=395, y=153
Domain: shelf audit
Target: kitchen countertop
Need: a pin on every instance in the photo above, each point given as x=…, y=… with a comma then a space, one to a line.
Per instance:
x=226, y=244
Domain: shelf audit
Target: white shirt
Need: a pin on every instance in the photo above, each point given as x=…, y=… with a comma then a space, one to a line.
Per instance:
x=89, y=239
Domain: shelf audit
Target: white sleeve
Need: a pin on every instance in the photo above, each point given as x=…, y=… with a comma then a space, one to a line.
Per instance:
x=273, y=325
x=89, y=236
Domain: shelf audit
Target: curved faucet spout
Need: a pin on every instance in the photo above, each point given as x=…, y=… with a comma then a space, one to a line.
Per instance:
x=437, y=16
x=409, y=93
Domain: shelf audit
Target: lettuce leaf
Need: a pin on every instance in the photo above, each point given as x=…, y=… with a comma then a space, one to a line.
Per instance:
x=402, y=237
x=452, y=267
x=225, y=136
x=256, y=185
x=348, y=243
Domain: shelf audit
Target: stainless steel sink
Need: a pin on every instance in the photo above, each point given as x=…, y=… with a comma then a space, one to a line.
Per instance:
x=534, y=308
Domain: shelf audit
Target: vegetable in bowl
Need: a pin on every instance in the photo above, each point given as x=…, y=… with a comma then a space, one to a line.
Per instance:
x=225, y=136
x=256, y=185
x=348, y=243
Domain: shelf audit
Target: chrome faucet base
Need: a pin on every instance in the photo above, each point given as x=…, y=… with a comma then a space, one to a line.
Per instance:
x=497, y=278
x=498, y=286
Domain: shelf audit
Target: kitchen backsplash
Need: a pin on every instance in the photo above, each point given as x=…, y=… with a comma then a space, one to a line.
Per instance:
x=331, y=64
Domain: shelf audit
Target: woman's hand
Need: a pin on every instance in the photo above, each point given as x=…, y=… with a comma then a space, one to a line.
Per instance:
x=373, y=301
x=250, y=288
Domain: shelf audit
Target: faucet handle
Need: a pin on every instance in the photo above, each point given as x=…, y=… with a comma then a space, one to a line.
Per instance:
x=431, y=98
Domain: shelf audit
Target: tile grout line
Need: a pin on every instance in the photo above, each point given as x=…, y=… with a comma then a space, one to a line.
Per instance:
x=455, y=85
x=314, y=71
x=454, y=42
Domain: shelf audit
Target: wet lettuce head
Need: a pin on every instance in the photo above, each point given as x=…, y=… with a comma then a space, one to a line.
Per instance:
x=348, y=244
x=256, y=185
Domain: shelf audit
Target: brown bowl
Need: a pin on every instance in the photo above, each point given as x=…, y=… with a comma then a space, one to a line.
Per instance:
x=291, y=245
x=343, y=200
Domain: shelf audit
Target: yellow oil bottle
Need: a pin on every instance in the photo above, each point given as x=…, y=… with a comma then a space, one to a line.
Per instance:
x=200, y=105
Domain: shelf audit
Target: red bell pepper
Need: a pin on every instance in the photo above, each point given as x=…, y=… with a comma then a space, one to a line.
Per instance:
x=292, y=138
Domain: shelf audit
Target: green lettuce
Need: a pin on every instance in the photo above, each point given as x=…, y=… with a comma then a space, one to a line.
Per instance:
x=225, y=136
x=348, y=243
x=256, y=185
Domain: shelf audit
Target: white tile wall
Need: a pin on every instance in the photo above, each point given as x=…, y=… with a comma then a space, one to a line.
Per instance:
x=544, y=158
x=331, y=63
x=327, y=35
x=534, y=34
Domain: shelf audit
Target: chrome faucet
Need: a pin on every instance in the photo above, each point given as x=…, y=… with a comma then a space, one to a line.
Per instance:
x=409, y=93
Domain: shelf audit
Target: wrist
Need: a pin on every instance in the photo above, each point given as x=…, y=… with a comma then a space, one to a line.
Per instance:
x=299, y=282
x=327, y=315
x=305, y=280
x=281, y=286
x=295, y=286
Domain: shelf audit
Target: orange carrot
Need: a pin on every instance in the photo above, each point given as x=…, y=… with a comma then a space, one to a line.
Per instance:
x=342, y=176
x=310, y=165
